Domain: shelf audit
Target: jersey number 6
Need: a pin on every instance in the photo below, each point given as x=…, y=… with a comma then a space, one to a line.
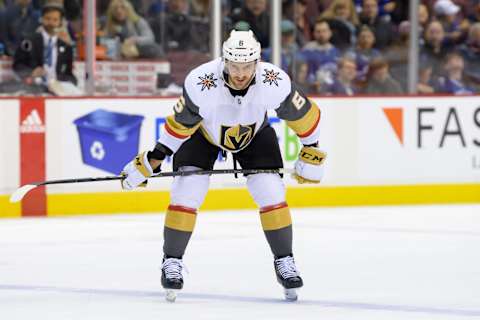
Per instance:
x=298, y=101
x=178, y=107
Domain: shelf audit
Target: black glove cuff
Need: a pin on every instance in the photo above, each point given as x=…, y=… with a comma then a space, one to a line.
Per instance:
x=159, y=152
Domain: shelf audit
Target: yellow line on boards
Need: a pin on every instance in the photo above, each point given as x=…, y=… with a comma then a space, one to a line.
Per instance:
x=384, y=195
x=224, y=199
x=9, y=210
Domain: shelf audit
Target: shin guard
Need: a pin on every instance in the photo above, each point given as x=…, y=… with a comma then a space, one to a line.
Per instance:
x=187, y=195
x=277, y=225
x=179, y=225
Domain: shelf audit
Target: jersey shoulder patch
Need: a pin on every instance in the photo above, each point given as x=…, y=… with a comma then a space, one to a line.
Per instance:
x=207, y=81
x=273, y=76
x=204, y=78
x=203, y=83
x=274, y=82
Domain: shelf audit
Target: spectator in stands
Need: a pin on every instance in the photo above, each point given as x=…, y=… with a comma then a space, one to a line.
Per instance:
x=290, y=50
x=65, y=31
x=5, y=3
x=384, y=7
x=135, y=36
x=44, y=56
x=383, y=30
x=343, y=20
x=200, y=8
x=321, y=55
x=398, y=11
x=454, y=26
x=297, y=11
x=20, y=20
x=200, y=17
x=434, y=48
x=72, y=8
x=255, y=13
x=423, y=19
x=470, y=52
x=454, y=81
x=3, y=35
x=425, y=83
x=343, y=83
x=474, y=12
x=379, y=80
x=397, y=54
x=173, y=30
x=300, y=77
x=138, y=6
x=364, y=51
x=72, y=22
x=227, y=22
x=324, y=4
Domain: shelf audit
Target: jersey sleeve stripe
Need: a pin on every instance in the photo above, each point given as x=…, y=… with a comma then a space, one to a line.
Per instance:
x=312, y=129
x=306, y=124
x=178, y=130
x=173, y=133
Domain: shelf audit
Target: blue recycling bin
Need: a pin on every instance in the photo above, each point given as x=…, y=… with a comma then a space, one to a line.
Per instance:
x=108, y=140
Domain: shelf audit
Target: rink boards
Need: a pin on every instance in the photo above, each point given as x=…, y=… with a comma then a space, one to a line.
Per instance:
x=381, y=150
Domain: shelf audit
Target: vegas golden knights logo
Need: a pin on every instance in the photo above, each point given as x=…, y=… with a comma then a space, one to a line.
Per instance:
x=236, y=138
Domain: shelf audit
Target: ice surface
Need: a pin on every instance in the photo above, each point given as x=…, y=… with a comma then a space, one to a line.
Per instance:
x=357, y=263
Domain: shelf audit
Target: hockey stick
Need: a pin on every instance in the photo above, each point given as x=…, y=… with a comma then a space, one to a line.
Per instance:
x=23, y=190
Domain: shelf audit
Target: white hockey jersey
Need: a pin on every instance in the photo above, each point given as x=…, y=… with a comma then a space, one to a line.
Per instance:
x=231, y=122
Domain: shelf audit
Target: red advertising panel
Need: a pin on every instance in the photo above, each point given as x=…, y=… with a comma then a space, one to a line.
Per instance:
x=32, y=154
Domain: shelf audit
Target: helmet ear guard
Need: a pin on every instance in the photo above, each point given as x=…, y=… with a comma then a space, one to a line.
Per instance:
x=241, y=47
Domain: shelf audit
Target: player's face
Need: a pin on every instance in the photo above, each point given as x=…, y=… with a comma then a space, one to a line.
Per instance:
x=240, y=74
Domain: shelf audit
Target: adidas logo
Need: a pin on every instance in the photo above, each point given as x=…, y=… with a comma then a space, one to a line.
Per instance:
x=32, y=123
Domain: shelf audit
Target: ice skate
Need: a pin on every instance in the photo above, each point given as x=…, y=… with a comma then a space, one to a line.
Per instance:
x=172, y=278
x=288, y=277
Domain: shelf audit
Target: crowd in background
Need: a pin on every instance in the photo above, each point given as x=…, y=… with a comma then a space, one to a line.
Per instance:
x=337, y=47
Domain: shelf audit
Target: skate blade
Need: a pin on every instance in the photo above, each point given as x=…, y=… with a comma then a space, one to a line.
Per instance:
x=171, y=295
x=290, y=294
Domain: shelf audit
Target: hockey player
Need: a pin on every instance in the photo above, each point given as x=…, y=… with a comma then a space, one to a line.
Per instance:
x=224, y=107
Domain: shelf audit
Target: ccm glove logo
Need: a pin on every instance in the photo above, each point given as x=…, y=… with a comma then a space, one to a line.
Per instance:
x=309, y=168
x=312, y=156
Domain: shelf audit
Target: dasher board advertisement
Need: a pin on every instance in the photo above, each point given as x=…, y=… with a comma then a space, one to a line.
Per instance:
x=369, y=141
x=97, y=137
x=9, y=145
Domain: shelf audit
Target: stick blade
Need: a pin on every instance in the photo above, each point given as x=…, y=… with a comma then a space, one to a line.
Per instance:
x=21, y=192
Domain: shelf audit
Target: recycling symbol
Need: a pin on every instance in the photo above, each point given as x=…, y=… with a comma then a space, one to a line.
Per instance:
x=97, y=151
